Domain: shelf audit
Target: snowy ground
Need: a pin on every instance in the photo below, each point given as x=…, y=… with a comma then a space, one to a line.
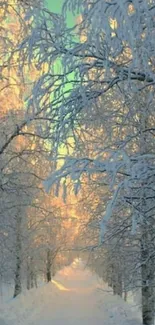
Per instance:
x=74, y=298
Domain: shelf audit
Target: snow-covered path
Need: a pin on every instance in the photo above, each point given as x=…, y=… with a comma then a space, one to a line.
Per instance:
x=73, y=298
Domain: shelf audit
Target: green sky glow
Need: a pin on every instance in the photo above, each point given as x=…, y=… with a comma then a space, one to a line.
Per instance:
x=56, y=6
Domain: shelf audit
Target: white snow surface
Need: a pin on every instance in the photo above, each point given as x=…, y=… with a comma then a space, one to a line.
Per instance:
x=74, y=297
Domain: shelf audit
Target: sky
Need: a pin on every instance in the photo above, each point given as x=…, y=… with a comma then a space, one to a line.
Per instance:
x=56, y=5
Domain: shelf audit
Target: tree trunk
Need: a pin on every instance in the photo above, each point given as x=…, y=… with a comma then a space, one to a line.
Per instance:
x=35, y=280
x=108, y=277
x=119, y=284
x=32, y=279
x=28, y=275
x=53, y=269
x=18, y=286
x=48, y=266
x=114, y=289
x=114, y=285
x=125, y=295
x=147, y=273
x=117, y=280
x=32, y=272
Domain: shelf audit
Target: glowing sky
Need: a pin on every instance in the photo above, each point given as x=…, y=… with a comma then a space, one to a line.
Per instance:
x=56, y=5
